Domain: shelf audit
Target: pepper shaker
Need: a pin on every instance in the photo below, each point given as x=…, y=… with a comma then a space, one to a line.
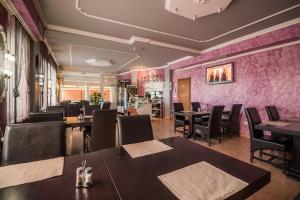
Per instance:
x=87, y=177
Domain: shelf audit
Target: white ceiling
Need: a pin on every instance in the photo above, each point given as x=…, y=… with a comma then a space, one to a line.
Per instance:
x=142, y=33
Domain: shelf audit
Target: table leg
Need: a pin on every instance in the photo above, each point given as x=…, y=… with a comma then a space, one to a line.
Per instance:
x=293, y=169
x=191, y=128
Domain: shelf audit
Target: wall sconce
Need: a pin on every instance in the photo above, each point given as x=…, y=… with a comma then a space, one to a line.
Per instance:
x=6, y=74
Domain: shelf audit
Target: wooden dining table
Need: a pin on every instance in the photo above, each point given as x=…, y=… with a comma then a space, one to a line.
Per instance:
x=191, y=115
x=74, y=122
x=118, y=176
x=292, y=129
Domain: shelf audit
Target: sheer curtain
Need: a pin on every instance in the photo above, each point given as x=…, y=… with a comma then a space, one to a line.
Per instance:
x=21, y=90
x=53, y=83
x=11, y=67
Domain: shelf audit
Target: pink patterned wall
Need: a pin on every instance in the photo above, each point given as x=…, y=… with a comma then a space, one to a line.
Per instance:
x=142, y=75
x=280, y=35
x=266, y=78
x=125, y=76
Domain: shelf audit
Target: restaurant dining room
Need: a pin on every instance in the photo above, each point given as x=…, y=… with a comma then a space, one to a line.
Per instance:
x=150, y=99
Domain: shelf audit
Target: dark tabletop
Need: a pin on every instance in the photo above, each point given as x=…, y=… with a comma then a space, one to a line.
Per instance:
x=193, y=113
x=293, y=128
x=63, y=187
x=137, y=178
x=74, y=122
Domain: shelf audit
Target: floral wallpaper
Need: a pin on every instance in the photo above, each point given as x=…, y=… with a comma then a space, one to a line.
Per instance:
x=266, y=78
x=126, y=76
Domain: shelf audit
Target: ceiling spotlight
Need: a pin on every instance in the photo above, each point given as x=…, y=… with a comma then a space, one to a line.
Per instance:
x=195, y=17
x=175, y=9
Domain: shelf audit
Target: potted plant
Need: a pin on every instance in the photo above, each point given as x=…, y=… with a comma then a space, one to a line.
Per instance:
x=96, y=98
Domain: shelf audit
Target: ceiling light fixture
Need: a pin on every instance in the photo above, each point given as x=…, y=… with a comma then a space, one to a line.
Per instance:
x=100, y=62
x=200, y=1
x=220, y=9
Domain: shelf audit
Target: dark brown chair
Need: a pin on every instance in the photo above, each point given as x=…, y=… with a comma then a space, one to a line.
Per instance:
x=88, y=110
x=85, y=103
x=33, y=141
x=72, y=110
x=105, y=106
x=59, y=109
x=134, y=129
x=232, y=124
x=212, y=128
x=103, y=131
x=45, y=117
x=179, y=121
x=260, y=141
x=273, y=113
x=196, y=106
x=64, y=103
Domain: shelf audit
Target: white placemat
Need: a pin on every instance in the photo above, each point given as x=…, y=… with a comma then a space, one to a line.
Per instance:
x=201, y=181
x=276, y=123
x=145, y=148
x=18, y=174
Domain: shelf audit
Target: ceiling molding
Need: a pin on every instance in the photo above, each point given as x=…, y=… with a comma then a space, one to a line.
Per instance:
x=179, y=60
x=137, y=56
x=131, y=41
x=77, y=7
x=50, y=50
x=241, y=55
x=145, y=69
x=39, y=10
x=255, y=34
x=240, y=39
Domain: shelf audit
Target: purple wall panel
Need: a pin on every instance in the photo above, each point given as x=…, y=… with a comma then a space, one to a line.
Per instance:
x=29, y=15
x=266, y=78
x=286, y=33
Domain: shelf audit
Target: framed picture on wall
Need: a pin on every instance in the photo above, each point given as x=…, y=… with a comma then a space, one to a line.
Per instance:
x=220, y=74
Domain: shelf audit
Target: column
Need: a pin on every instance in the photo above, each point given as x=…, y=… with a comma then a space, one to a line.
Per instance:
x=87, y=91
x=167, y=93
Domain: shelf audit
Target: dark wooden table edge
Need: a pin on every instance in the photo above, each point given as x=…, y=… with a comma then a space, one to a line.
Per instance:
x=273, y=128
x=252, y=188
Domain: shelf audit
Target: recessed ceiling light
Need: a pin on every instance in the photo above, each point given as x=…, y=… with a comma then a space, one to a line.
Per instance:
x=100, y=62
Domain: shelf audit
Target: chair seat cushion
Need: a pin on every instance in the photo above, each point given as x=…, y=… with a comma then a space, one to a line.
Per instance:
x=287, y=142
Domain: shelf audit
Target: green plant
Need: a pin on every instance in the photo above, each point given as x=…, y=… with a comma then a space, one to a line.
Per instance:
x=96, y=98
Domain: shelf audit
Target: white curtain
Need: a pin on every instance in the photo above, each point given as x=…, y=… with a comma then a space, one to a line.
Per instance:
x=11, y=67
x=21, y=90
x=53, y=78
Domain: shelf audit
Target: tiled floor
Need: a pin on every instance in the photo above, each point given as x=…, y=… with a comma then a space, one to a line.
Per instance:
x=280, y=187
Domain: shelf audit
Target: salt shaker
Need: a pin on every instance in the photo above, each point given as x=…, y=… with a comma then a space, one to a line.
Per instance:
x=87, y=177
x=79, y=177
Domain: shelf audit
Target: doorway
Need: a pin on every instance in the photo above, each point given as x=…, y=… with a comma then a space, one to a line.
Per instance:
x=184, y=92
